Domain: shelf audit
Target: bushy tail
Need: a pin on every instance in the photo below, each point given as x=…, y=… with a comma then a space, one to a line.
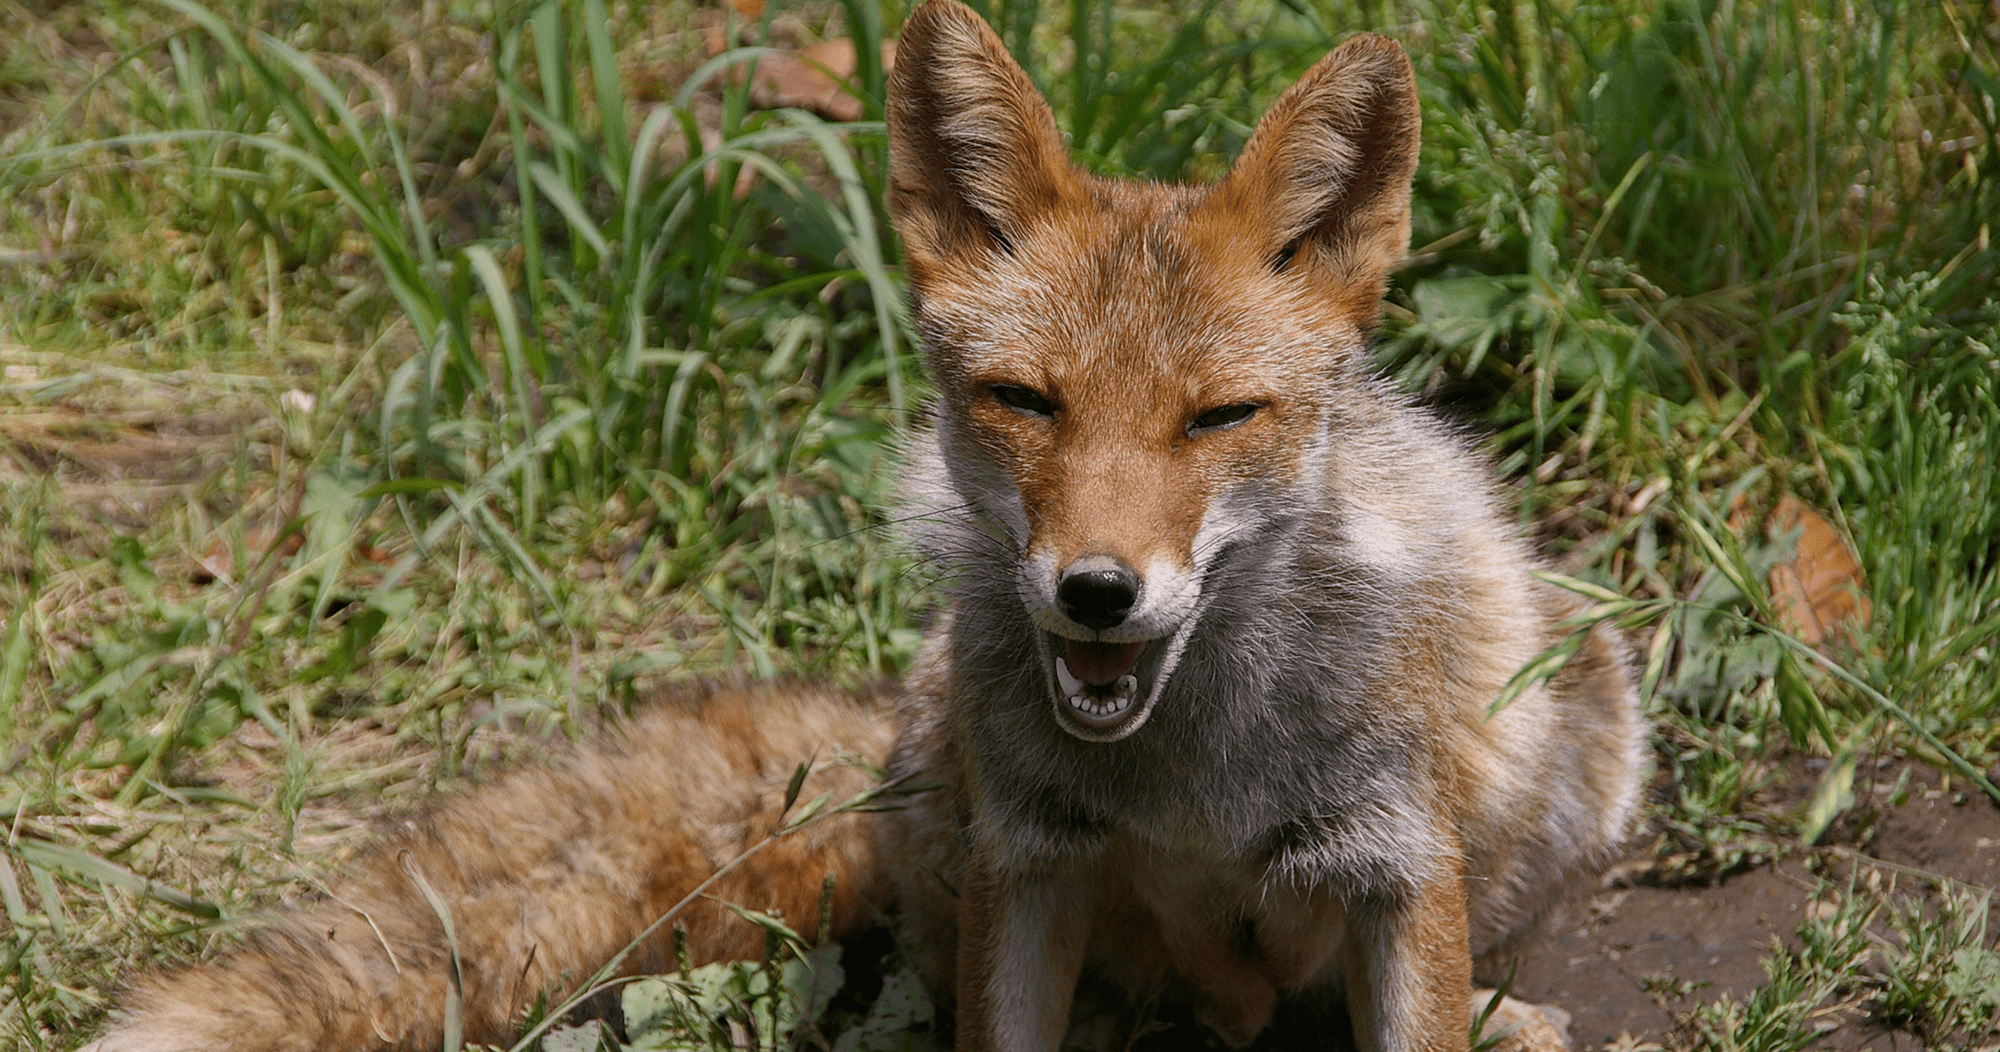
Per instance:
x=546, y=874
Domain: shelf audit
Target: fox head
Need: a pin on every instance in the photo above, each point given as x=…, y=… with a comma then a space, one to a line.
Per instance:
x=1135, y=378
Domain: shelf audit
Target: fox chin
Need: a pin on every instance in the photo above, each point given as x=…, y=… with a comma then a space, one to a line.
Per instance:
x=1205, y=712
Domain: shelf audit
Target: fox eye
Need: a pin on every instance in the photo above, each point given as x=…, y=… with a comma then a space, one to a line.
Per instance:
x=1284, y=258
x=1223, y=416
x=1023, y=399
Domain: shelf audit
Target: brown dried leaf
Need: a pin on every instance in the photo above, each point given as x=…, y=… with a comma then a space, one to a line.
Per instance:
x=217, y=560
x=812, y=79
x=1819, y=592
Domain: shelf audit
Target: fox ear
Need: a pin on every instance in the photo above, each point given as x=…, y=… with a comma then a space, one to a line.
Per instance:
x=974, y=154
x=1324, y=181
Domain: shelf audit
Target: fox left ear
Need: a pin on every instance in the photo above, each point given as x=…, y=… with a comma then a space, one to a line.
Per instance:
x=974, y=155
x=1324, y=181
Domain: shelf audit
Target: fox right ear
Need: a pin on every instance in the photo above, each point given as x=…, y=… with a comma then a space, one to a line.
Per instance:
x=974, y=154
x=1324, y=182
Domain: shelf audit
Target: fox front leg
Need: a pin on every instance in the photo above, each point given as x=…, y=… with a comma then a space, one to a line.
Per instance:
x=1021, y=941
x=1409, y=967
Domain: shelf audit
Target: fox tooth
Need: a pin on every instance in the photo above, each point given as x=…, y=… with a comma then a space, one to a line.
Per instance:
x=1127, y=686
x=1097, y=708
x=1071, y=686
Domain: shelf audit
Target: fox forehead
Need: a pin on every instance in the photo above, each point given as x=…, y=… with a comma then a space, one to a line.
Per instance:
x=1137, y=287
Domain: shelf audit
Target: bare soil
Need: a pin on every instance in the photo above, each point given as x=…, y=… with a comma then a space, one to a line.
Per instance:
x=1604, y=943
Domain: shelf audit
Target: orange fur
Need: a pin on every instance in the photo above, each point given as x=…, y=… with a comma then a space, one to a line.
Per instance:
x=1161, y=460
x=547, y=872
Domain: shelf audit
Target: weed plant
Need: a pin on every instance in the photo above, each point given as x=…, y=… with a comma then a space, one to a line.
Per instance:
x=388, y=388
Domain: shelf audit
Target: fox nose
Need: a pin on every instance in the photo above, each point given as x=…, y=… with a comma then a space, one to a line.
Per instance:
x=1098, y=593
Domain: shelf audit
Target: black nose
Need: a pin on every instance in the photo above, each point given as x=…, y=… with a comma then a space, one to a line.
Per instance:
x=1098, y=597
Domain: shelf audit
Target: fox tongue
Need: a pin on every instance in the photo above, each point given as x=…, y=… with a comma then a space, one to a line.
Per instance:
x=1101, y=664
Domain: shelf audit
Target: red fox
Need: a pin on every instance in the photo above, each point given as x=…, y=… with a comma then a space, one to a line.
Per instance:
x=1206, y=710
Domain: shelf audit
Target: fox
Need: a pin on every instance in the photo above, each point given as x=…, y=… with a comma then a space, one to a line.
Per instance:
x=1208, y=707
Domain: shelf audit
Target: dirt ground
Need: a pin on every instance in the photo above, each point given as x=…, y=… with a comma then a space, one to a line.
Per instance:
x=1604, y=942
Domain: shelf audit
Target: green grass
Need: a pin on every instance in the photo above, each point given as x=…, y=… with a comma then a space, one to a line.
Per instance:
x=603, y=365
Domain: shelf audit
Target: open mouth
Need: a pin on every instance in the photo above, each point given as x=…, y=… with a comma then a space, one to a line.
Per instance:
x=1098, y=685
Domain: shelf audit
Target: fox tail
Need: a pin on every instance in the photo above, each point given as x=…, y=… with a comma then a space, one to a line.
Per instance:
x=545, y=875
